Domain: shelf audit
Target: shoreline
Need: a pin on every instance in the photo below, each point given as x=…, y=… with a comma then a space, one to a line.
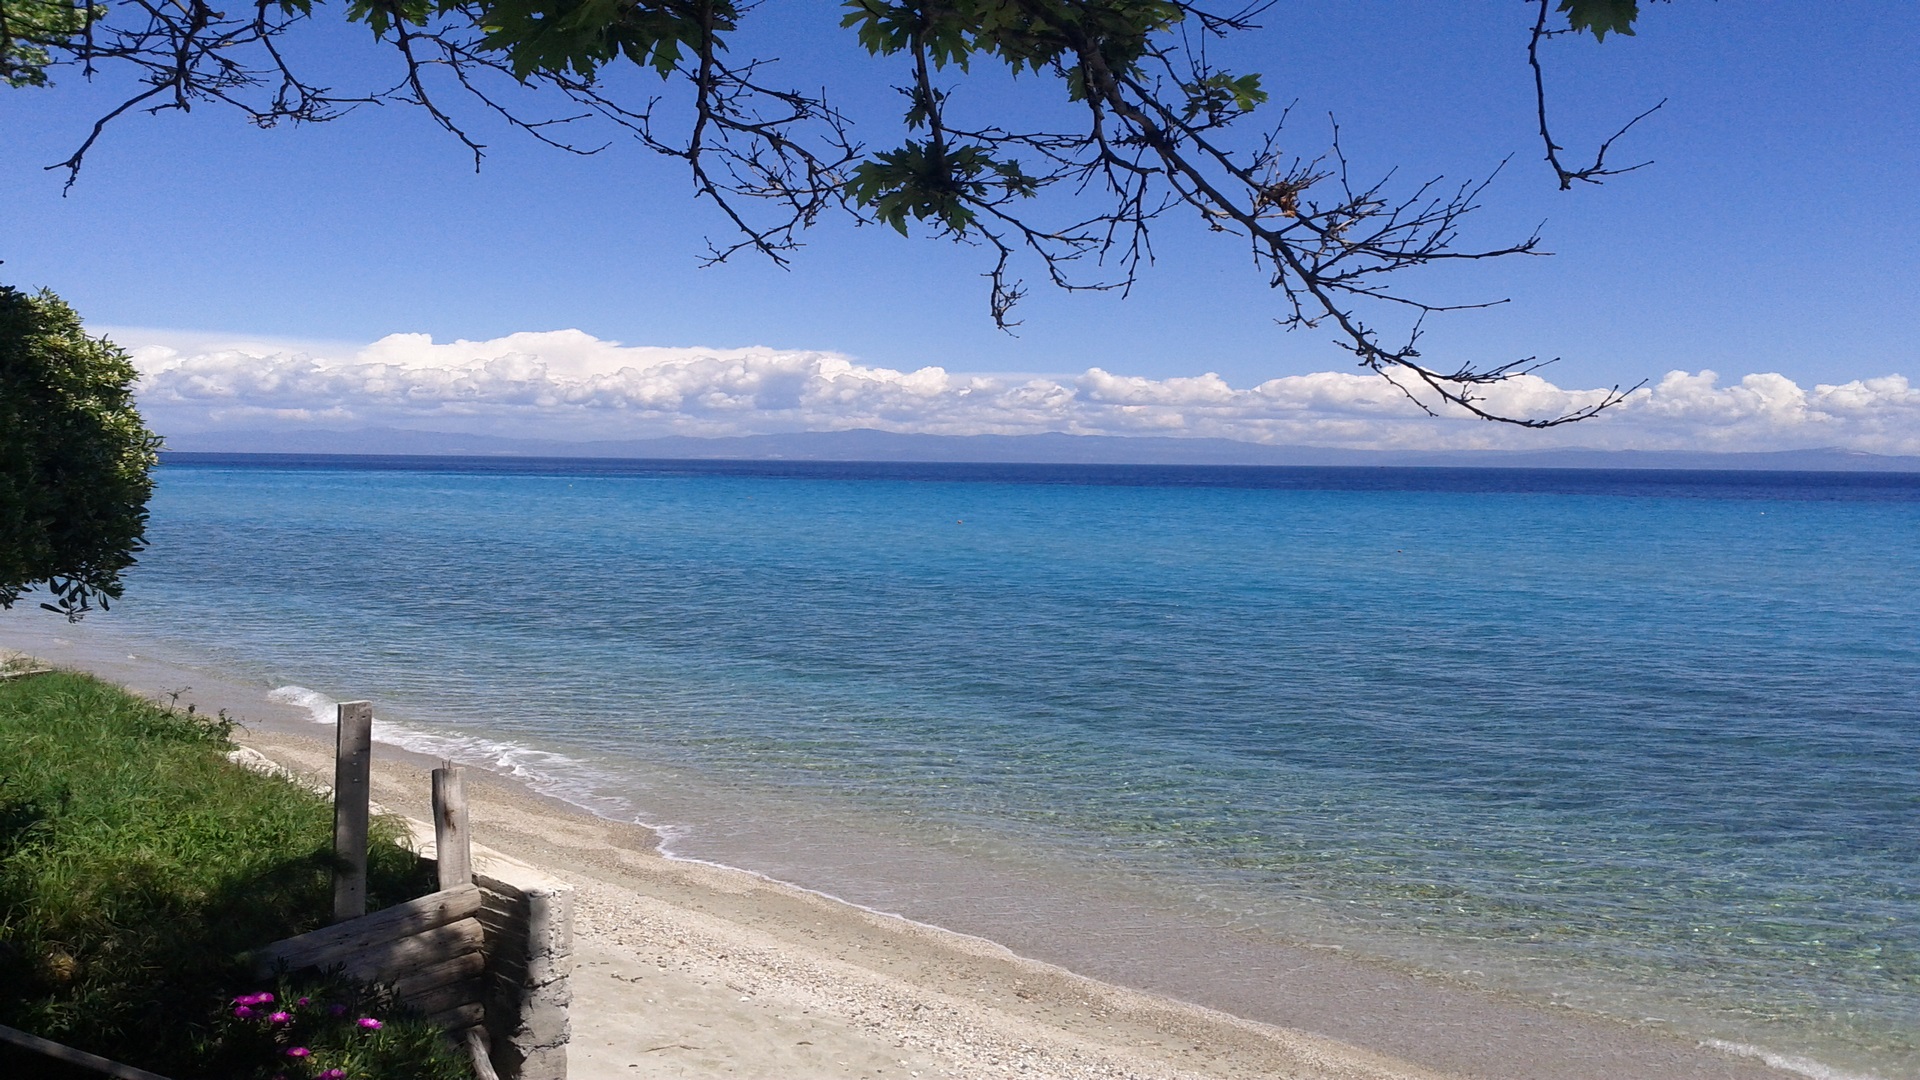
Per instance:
x=1395, y=1025
x=636, y=909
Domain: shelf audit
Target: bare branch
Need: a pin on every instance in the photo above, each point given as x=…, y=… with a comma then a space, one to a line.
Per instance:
x=1598, y=171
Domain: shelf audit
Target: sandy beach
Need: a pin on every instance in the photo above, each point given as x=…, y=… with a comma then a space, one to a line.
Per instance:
x=685, y=969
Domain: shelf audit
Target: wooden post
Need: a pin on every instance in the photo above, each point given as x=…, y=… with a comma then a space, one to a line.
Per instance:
x=453, y=844
x=352, y=768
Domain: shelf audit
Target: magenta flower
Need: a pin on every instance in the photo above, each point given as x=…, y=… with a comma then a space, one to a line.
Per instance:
x=298, y=1052
x=337, y=1010
x=332, y=1074
x=369, y=1023
x=242, y=1012
x=303, y=1001
x=280, y=1018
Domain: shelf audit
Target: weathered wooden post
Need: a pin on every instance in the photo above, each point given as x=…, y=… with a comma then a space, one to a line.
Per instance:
x=453, y=854
x=452, y=843
x=352, y=771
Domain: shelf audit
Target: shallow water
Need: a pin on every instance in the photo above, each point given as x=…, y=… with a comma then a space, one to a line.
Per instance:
x=1645, y=744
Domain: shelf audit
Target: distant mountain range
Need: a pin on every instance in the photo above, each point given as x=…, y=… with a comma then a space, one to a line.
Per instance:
x=870, y=445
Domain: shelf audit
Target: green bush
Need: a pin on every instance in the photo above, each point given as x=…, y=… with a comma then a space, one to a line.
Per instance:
x=75, y=459
x=136, y=864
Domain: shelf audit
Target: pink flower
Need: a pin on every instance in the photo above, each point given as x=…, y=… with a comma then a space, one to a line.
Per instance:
x=280, y=1018
x=332, y=1074
x=303, y=1001
x=243, y=1012
x=369, y=1023
x=298, y=1052
x=262, y=999
x=337, y=1010
x=253, y=999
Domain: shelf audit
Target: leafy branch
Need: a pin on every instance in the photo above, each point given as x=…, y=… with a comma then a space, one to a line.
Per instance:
x=1155, y=128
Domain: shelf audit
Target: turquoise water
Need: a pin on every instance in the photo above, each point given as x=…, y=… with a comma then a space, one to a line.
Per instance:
x=1645, y=743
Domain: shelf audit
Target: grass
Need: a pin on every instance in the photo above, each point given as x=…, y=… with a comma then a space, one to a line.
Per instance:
x=136, y=863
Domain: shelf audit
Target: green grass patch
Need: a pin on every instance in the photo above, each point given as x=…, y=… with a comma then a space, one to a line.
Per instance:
x=136, y=864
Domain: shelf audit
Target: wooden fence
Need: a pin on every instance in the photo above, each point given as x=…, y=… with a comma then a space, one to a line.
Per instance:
x=486, y=962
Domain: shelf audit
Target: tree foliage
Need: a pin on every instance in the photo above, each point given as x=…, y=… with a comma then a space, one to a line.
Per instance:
x=1151, y=127
x=74, y=457
x=28, y=28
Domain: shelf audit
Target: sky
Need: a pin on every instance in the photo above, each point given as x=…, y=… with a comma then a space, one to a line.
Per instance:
x=1760, y=276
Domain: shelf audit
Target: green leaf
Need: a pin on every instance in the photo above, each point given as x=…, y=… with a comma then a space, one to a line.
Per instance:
x=1601, y=16
x=581, y=36
x=1221, y=96
x=939, y=185
x=30, y=27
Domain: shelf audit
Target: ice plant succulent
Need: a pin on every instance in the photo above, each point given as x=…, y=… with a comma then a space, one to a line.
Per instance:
x=331, y=1032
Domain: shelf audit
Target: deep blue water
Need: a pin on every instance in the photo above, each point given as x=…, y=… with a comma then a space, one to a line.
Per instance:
x=1637, y=740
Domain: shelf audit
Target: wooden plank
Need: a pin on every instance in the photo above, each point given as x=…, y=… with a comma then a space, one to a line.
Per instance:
x=463, y=1016
x=352, y=766
x=452, y=843
x=465, y=966
x=393, y=960
x=79, y=1058
x=450, y=996
x=381, y=927
x=478, y=1048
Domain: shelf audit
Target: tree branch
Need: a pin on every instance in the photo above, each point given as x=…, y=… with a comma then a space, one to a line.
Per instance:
x=1598, y=171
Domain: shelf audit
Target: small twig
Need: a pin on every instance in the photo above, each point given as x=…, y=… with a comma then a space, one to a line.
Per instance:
x=1598, y=171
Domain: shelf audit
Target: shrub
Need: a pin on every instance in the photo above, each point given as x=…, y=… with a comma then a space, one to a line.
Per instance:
x=75, y=459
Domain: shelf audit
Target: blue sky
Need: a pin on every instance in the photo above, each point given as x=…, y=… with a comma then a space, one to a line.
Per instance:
x=1775, y=233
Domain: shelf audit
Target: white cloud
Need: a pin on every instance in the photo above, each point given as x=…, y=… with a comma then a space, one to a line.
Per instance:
x=568, y=384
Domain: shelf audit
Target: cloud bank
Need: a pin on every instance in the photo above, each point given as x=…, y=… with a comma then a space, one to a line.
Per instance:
x=570, y=385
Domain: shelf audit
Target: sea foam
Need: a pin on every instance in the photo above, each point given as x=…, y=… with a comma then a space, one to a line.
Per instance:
x=557, y=775
x=1788, y=1062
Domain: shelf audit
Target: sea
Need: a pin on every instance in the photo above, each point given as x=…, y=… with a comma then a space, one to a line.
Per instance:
x=1642, y=744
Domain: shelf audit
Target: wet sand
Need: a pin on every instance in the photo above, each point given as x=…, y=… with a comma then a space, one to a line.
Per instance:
x=688, y=969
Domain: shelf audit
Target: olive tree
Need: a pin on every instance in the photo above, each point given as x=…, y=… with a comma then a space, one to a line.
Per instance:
x=75, y=459
x=1143, y=129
